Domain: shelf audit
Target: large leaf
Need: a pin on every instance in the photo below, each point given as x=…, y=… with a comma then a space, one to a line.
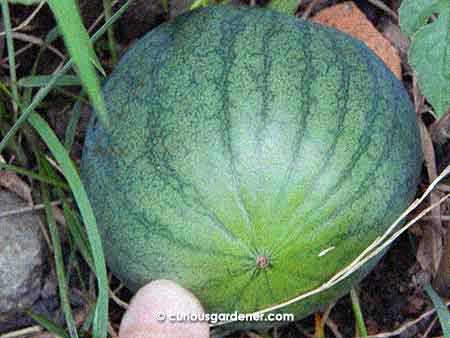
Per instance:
x=429, y=54
x=414, y=14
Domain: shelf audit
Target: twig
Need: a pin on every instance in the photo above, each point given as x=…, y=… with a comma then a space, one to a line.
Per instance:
x=430, y=327
x=406, y=325
x=25, y=23
x=117, y=300
x=333, y=327
x=100, y=18
x=381, y=5
x=432, y=234
x=23, y=332
x=37, y=41
x=27, y=209
x=309, y=9
x=18, y=52
x=443, y=187
x=326, y=314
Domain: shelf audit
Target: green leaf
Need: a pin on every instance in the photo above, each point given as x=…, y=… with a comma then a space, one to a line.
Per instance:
x=414, y=14
x=284, y=6
x=442, y=310
x=71, y=174
x=43, y=80
x=82, y=52
x=429, y=53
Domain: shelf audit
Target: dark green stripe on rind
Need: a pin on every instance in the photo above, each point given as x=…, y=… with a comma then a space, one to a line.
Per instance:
x=244, y=132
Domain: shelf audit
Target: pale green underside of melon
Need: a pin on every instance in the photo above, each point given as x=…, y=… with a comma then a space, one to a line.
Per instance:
x=244, y=132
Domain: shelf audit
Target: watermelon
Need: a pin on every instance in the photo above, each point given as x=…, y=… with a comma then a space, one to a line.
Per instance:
x=251, y=156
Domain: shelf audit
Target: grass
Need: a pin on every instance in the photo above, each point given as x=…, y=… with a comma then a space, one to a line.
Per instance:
x=81, y=51
x=84, y=235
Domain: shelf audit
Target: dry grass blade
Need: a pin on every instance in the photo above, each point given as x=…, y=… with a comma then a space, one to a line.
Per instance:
x=334, y=328
x=27, y=209
x=429, y=328
x=381, y=5
x=117, y=300
x=430, y=247
x=37, y=41
x=23, y=332
x=406, y=325
x=27, y=21
x=309, y=9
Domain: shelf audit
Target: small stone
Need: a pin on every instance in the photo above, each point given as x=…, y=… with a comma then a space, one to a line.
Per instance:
x=21, y=255
x=347, y=18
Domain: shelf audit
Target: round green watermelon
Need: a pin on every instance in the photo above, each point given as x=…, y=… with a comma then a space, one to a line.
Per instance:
x=251, y=157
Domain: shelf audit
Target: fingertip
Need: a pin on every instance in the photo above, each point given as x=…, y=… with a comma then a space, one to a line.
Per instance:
x=162, y=298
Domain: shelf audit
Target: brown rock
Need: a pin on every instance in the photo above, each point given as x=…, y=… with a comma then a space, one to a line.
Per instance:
x=347, y=18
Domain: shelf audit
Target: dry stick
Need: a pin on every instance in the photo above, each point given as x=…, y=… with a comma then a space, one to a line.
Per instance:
x=334, y=328
x=23, y=332
x=27, y=209
x=100, y=18
x=444, y=187
x=18, y=52
x=117, y=300
x=378, y=245
x=309, y=9
x=406, y=325
x=381, y=5
x=37, y=41
x=432, y=235
x=25, y=23
x=326, y=314
x=430, y=327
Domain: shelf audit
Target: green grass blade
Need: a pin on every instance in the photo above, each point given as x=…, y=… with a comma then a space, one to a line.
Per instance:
x=59, y=261
x=111, y=39
x=442, y=310
x=43, y=80
x=80, y=48
x=42, y=93
x=36, y=176
x=11, y=53
x=359, y=318
x=71, y=128
x=70, y=172
x=78, y=235
x=48, y=324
